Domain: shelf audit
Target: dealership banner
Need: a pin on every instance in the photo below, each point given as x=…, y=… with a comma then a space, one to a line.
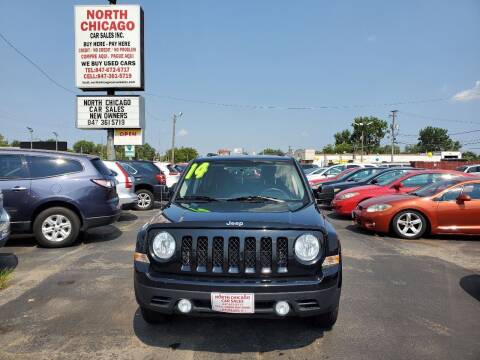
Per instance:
x=110, y=112
x=109, y=47
x=128, y=137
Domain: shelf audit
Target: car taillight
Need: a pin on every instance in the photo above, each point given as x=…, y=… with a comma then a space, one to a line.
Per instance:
x=109, y=184
x=161, y=179
x=128, y=179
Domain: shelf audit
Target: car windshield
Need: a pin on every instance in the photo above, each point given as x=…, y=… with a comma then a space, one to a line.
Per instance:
x=388, y=177
x=435, y=188
x=362, y=174
x=243, y=181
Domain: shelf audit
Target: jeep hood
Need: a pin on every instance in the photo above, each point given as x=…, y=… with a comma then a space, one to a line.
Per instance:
x=188, y=216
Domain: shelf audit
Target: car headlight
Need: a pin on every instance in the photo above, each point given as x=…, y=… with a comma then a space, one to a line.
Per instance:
x=347, y=195
x=163, y=245
x=378, y=207
x=336, y=190
x=307, y=247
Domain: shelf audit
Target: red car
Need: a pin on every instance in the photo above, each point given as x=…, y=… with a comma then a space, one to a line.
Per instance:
x=447, y=207
x=346, y=201
x=336, y=177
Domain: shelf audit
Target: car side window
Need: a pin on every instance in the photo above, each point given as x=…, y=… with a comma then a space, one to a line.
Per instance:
x=417, y=180
x=46, y=166
x=333, y=171
x=452, y=194
x=130, y=169
x=472, y=190
x=11, y=167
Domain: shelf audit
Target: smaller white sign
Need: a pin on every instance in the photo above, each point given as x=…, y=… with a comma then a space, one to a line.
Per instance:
x=128, y=137
x=110, y=112
x=129, y=150
x=233, y=303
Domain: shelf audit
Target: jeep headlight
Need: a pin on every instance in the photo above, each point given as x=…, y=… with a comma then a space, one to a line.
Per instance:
x=163, y=245
x=335, y=190
x=4, y=222
x=378, y=207
x=347, y=195
x=307, y=247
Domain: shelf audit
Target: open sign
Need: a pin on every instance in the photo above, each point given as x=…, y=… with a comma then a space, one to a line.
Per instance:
x=128, y=137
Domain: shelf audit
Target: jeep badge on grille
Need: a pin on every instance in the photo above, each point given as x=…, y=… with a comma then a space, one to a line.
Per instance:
x=234, y=223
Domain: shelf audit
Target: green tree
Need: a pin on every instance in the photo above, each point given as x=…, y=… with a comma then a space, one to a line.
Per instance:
x=269, y=151
x=183, y=154
x=85, y=147
x=343, y=137
x=329, y=149
x=436, y=139
x=3, y=141
x=145, y=152
x=15, y=143
x=374, y=130
x=470, y=156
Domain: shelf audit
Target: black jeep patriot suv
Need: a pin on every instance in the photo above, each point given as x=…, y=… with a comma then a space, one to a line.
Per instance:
x=241, y=236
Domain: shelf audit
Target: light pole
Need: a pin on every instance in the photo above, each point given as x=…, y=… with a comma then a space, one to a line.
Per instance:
x=363, y=136
x=56, y=140
x=30, y=130
x=173, y=135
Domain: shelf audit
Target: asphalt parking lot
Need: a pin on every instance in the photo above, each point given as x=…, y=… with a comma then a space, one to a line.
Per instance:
x=400, y=300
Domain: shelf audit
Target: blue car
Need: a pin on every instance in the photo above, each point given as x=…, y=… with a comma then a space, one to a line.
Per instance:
x=4, y=223
x=55, y=195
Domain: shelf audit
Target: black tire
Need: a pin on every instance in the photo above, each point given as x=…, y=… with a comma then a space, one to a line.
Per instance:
x=71, y=222
x=327, y=320
x=400, y=224
x=153, y=317
x=145, y=195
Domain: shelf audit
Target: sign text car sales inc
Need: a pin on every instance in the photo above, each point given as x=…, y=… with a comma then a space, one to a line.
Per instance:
x=109, y=56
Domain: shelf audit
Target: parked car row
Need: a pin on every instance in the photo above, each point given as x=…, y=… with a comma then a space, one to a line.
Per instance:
x=55, y=195
x=406, y=201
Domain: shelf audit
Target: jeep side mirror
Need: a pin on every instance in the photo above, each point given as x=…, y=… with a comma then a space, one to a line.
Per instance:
x=462, y=198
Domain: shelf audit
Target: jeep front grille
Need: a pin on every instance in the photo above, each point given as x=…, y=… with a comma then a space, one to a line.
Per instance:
x=234, y=255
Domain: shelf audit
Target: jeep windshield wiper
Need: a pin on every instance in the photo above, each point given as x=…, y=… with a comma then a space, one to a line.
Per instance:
x=254, y=198
x=196, y=198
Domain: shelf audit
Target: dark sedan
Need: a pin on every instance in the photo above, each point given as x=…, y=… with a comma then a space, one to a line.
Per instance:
x=326, y=192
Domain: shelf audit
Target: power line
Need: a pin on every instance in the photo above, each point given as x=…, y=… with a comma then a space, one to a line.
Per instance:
x=425, y=117
x=277, y=107
x=43, y=72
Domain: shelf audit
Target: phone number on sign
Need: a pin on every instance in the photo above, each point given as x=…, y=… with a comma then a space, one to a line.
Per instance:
x=109, y=122
x=107, y=76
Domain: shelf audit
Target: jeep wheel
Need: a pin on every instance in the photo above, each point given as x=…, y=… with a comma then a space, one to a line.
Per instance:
x=153, y=317
x=145, y=200
x=56, y=227
x=327, y=320
x=409, y=224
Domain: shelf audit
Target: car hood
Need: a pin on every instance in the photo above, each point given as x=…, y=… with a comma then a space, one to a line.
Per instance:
x=205, y=216
x=364, y=188
x=344, y=184
x=388, y=199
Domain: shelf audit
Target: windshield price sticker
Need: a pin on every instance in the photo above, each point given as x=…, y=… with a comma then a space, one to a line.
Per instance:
x=233, y=303
x=197, y=171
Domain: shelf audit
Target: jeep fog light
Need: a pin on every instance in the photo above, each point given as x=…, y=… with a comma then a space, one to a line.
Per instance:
x=164, y=245
x=184, y=306
x=282, y=308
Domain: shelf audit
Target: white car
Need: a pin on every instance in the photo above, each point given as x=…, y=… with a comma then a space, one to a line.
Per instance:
x=125, y=183
x=470, y=169
x=333, y=171
x=171, y=174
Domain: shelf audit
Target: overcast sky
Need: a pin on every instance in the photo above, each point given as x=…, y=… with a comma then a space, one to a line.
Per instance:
x=335, y=54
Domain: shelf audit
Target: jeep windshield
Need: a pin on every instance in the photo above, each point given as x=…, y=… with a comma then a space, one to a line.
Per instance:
x=243, y=184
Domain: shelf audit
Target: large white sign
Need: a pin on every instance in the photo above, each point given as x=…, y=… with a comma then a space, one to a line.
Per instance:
x=128, y=137
x=110, y=112
x=109, y=47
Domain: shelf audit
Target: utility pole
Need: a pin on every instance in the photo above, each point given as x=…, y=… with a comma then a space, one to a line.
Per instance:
x=172, y=160
x=56, y=140
x=110, y=132
x=393, y=129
